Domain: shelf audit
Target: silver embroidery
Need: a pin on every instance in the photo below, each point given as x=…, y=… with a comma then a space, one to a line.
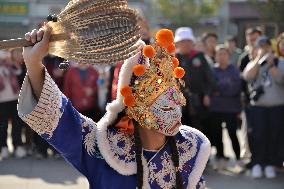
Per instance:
x=167, y=170
x=187, y=150
x=165, y=175
x=90, y=138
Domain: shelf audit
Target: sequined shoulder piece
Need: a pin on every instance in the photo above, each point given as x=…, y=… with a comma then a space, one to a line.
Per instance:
x=42, y=115
x=89, y=129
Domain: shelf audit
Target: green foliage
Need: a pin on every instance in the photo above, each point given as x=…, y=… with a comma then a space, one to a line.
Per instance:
x=185, y=12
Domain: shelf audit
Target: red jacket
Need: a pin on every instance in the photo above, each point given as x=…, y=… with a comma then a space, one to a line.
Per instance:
x=81, y=92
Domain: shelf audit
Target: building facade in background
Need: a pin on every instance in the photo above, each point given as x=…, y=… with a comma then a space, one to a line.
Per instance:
x=19, y=16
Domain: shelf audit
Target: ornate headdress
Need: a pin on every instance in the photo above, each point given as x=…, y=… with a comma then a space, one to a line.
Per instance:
x=151, y=79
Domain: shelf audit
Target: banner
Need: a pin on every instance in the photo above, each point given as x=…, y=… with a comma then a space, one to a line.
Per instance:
x=14, y=9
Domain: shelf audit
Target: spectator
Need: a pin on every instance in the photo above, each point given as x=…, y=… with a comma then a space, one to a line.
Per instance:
x=225, y=102
x=199, y=45
x=248, y=55
x=17, y=58
x=252, y=34
x=280, y=53
x=210, y=42
x=9, y=90
x=144, y=30
x=235, y=52
x=198, y=78
x=104, y=85
x=265, y=75
x=80, y=86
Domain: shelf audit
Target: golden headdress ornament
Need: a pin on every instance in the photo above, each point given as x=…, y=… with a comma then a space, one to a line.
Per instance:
x=149, y=81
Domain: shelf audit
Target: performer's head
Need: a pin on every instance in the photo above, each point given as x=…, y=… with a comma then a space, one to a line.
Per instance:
x=153, y=97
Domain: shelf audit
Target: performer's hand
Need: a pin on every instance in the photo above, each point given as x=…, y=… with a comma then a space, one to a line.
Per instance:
x=33, y=57
x=35, y=54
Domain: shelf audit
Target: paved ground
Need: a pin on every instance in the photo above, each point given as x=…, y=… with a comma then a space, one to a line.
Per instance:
x=56, y=174
x=39, y=174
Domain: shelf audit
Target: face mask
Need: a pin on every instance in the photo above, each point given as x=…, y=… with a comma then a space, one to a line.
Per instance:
x=167, y=111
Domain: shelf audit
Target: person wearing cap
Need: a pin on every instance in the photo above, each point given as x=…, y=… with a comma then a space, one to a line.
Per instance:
x=140, y=142
x=265, y=75
x=198, y=78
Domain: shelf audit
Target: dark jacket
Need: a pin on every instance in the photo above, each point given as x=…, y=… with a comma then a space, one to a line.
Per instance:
x=198, y=82
x=198, y=77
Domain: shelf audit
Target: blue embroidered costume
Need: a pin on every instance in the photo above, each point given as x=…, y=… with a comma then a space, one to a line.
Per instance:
x=103, y=154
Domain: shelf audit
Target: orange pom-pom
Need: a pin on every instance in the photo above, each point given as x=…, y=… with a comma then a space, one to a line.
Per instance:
x=179, y=72
x=165, y=37
x=175, y=62
x=149, y=51
x=139, y=70
x=171, y=48
x=129, y=101
x=126, y=91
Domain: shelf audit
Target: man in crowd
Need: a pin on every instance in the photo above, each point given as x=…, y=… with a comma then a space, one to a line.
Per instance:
x=198, y=78
x=265, y=75
x=235, y=52
x=210, y=42
x=248, y=55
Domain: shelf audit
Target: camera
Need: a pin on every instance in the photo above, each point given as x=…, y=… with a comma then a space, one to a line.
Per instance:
x=256, y=93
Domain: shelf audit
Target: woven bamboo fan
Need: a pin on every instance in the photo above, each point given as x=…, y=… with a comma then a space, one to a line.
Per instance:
x=91, y=31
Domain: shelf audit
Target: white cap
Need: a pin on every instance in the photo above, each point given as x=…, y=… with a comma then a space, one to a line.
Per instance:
x=184, y=33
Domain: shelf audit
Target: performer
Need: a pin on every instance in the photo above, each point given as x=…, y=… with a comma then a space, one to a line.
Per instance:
x=140, y=142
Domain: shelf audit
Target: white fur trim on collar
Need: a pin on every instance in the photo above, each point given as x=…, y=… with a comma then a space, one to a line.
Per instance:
x=201, y=159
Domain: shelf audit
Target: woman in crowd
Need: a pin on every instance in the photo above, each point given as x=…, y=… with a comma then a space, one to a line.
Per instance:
x=225, y=102
x=265, y=75
x=9, y=90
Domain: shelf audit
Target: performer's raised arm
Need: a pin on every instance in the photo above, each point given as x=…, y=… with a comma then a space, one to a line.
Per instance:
x=47, y=110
